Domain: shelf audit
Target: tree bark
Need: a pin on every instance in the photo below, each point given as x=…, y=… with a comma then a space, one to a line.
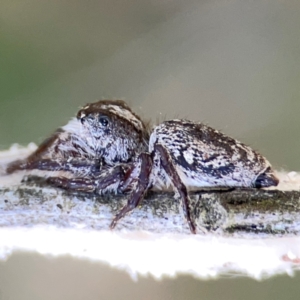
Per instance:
x=238, y=212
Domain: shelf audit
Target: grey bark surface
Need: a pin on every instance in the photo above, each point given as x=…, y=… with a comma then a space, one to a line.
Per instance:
x=238, y=212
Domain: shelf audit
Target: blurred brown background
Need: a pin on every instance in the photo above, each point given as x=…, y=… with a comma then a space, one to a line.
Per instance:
x=232, y=64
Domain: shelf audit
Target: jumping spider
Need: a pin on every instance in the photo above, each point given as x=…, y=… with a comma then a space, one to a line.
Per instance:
x=107, y=148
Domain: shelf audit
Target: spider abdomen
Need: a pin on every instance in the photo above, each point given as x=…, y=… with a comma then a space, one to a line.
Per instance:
x=205, y=157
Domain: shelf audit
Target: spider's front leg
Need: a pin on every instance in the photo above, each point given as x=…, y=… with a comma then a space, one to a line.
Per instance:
x=140, y=185
x=74, y=166
x=108, y=179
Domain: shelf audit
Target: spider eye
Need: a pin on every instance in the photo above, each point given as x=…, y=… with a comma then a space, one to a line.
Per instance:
x=85, y=118
x=103, y=120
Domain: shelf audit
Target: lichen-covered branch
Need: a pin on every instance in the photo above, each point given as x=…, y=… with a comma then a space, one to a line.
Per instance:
x=236, y=212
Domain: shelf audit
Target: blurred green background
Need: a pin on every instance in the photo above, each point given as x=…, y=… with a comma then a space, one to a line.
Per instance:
x=232, y=64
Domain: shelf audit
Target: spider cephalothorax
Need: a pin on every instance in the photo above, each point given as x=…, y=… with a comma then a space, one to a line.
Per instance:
x=102, y=140
x=115, y=133
x=108, y=147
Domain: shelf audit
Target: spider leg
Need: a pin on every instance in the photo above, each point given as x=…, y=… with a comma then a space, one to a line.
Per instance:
x=55, y=165
x=43, y=149
x=17, y=165
x=139, y=190
x=109, y=180
x=168, y=166
x=75, y=184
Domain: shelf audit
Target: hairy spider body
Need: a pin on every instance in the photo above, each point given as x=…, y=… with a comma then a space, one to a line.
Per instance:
x=107, y=149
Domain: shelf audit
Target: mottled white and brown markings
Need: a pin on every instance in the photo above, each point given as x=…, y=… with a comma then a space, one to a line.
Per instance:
x=205, y=157
x=107, y=149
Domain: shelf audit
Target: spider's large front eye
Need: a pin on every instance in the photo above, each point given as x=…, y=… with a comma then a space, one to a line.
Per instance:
x=103, y=120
